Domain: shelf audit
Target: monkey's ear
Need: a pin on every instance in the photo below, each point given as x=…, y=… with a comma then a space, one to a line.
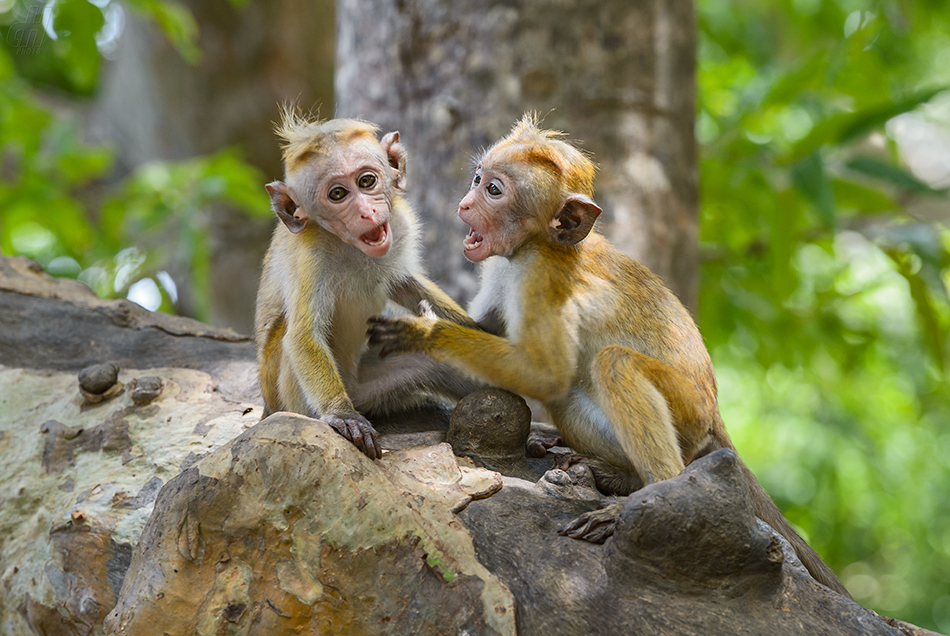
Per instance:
x=574, y=220
x=396, y=153
x=284, y=204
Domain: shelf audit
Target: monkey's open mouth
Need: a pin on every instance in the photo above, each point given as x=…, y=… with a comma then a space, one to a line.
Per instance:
x=473, y=240
x=376, y=236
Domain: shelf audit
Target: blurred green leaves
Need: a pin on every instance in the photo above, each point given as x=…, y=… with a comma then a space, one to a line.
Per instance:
x=60, y=202
x=175, y=21
x=824, y=295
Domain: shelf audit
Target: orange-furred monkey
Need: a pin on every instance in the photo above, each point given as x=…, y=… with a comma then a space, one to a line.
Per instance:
x=348, y=242
x=614, y=356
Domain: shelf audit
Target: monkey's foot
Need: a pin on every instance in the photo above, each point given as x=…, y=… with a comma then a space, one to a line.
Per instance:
x=358, y=430
x=594, y=526
x=564, y=462
x=538, y=444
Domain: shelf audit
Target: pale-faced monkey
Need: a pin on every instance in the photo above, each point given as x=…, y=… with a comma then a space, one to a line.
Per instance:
x=614, y=356
x=347, y=243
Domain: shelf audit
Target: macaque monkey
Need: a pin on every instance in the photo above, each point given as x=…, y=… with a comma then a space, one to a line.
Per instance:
x=347, y=243
x=612, y=354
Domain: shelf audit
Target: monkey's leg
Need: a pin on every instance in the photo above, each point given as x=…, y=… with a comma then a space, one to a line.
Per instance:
x=638, y=411
x=642, y=423
x=609, y=479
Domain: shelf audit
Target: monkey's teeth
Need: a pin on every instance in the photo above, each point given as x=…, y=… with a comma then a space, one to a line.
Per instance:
x=473, y=240
x=376, y=236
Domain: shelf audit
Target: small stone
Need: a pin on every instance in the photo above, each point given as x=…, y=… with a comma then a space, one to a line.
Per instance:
x=146, y=390
x=490, y=423
x=98, y=378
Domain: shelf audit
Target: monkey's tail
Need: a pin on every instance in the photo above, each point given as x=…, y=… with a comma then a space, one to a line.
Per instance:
x=766, y=510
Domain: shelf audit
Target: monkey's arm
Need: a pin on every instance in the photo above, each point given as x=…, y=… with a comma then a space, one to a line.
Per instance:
x=410, y=291
x=316, y=372
x=269, y=361
x=538, y=366
x=401, y=381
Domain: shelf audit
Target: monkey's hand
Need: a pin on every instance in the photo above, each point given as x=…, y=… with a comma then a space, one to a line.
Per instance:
x=402, y=333
x=358, y=430
x=594, y=526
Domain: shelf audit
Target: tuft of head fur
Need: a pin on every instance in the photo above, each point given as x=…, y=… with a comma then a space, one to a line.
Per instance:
x=304, y=135
x=529, y=143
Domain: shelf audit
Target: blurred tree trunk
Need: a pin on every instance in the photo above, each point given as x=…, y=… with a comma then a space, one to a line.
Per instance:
x=616, y=75
x=155, y=105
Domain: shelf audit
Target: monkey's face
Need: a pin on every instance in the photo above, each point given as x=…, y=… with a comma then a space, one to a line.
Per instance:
x=489, y=209
x=353, y=197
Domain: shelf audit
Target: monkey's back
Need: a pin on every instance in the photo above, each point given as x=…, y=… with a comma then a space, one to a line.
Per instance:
x=640, y=311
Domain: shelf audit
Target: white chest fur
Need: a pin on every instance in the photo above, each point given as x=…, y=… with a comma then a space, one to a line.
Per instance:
x=500, y=292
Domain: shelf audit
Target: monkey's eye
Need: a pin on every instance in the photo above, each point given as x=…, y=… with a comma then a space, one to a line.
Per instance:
x=367, y=181
x=337, y=193
x=477, y=179
x=493, y=189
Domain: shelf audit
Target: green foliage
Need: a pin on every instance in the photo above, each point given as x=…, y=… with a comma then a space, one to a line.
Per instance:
x=57, y=204
x=162, y=206
x=825, y=285
x=827, y=261
x=176, y=22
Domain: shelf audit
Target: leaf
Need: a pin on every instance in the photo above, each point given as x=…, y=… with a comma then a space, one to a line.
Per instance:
x=242, y=183
x=861, y=198
x=935, y=335
x=176, y=21
x=76, y=24
x=843, y=127
x=790, y=86
x=810, y=179
x=891, y=173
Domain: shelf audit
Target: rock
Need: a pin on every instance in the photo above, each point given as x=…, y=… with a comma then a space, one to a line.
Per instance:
x=78, y=480
x=688, y=557
x=490, y=423
x=290, y=529
x=491, y=427
x=170, y=506
x=76, y=490
x=98, y=378
x=146, y=390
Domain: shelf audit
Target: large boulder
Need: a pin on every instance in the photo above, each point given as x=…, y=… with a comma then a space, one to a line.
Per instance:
x=140, y=493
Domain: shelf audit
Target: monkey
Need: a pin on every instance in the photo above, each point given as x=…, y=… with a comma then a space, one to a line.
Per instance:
x=347, y=243
x=614, y=356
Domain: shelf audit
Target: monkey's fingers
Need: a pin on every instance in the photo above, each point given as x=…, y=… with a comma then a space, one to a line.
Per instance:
x=594, y=526
x=425, y=310
x=358, y=430
x=390, y=333
x=370, y=445
x=363, y=436
x=354, y=434
x=538, y=445
x=566, y=461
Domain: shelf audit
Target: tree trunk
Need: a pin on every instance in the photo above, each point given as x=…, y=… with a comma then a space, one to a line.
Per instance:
x=616, y=75
x=155, y=105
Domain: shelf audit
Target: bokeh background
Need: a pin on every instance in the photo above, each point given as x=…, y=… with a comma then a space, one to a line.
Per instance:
x=800, y=149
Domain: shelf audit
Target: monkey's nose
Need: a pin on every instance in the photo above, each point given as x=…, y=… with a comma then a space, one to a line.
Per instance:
x=465, y=203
